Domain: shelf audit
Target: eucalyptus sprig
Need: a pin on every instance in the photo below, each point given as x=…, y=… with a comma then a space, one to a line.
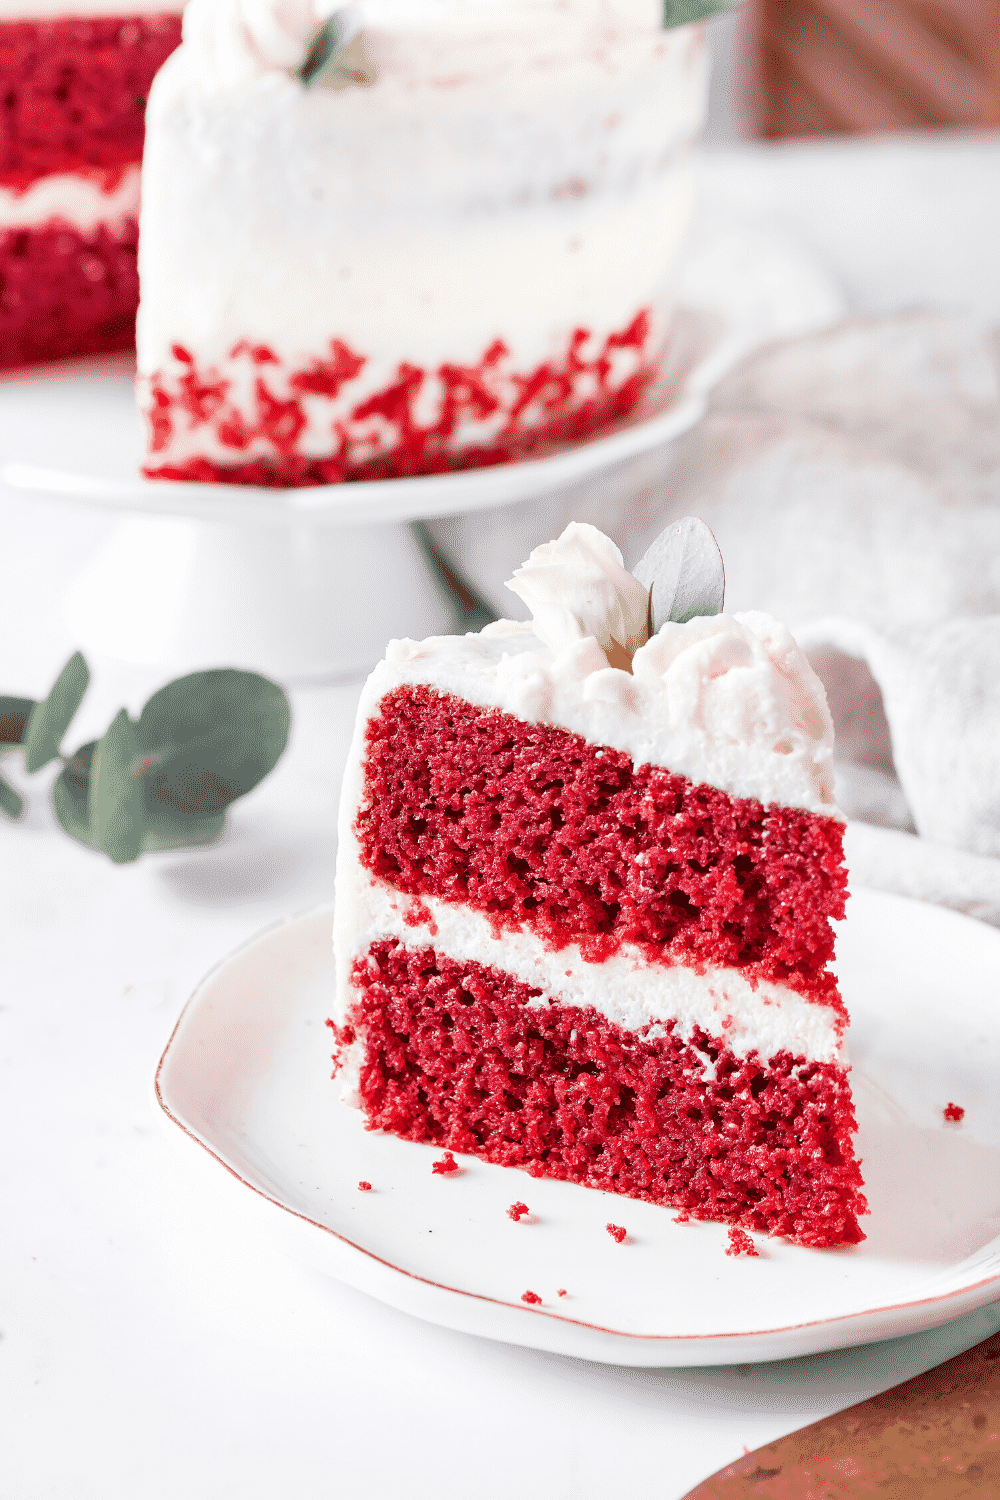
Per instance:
x=162, y=781
x=683, y=12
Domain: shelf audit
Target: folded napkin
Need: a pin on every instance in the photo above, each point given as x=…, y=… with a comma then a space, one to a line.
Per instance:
x=917, y=711
x=852, y=479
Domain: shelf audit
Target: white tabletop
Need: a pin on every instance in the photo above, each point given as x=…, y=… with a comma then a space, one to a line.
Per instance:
x=151, y=1345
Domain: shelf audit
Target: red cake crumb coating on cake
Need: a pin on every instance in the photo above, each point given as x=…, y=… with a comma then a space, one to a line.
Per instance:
x=560, y=401
x=740, y=1243
x=74, y=91
x=446, y=1165
x=532, y=1298
x=617, y=1233
x=537, y=828
x=954, y=1112
x=455, y=1054
x=517, y=1211
x=65, y=293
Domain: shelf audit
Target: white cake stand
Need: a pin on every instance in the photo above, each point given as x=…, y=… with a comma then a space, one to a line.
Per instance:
x=311, y=583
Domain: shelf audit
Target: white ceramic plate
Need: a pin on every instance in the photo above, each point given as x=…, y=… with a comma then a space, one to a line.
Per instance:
x=246, y=1077
x=73, y=432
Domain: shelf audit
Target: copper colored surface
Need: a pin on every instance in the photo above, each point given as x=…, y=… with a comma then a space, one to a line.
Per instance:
x=936, y=1437
x=821, y=67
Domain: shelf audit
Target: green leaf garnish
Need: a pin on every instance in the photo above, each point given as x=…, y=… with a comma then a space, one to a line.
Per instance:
x=210, y=738
x=71, y=794
x=684, y=573
x=163, y=781
x=337, y=55
x=49, y=721
x=165, y=829
x=684, y=12
x=14, y=715
x=12, y=804
x=117, y=805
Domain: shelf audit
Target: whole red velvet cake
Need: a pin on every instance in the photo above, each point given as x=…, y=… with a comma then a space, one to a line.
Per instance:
x=585, y=886
x=75, y=86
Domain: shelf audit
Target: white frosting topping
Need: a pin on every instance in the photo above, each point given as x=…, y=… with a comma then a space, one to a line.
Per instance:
x=71, y=198
x=240, y=38
x=767, y=1018
x=576, y=587
x=514, y=183
x=728, y=700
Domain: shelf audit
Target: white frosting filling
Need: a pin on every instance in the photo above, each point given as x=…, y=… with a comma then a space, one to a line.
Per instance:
x=71, y=198
x=517, y=171
x=625, y=989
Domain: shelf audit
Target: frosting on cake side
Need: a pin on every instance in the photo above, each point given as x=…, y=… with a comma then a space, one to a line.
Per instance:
x=473, y=255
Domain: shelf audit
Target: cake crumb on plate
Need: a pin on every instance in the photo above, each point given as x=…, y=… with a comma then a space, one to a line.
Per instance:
x=446, y=1164
x=517, y=1211
x=532, y=1298
x=616, y=1232
x=740, y=1243
x=954, y=1112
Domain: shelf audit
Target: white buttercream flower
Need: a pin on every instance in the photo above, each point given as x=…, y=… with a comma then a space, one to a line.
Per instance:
x=576, y=587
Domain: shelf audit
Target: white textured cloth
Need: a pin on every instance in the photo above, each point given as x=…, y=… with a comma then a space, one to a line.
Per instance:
x=852, y=479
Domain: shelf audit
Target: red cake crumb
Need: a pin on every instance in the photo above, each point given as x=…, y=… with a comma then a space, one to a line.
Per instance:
x=617, y=1233
x=741, y=1244
x=364, y=1187
x=64, y=292
x=682, y=1219
x=74, y=90
x=562, y=1292
x=564, y=400
x=531, y=1297
x=445, y=1165
x=517, y=1211
x=535, y=827
x=954, y=1112
x=457, y=1055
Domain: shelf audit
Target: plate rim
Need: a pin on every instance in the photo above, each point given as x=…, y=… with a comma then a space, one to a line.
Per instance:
x=690, y=1341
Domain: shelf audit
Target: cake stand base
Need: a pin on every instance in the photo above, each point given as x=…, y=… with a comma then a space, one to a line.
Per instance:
x=299, y=602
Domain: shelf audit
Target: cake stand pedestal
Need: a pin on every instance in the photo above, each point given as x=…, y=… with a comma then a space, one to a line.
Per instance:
x=299, y=602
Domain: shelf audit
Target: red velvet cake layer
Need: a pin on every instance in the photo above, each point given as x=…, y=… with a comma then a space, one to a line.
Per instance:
x=74, y=91
x=381, y=436
x=455, y=1055
x=65, y=293
x=535, y=827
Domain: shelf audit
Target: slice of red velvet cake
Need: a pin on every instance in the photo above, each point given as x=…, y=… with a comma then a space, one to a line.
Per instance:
x=75, y=78
x=583, y=910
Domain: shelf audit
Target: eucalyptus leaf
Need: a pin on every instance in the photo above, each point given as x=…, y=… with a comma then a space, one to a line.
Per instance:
x=14, y=715
x=11, y=803
x=337, y=55
x=180, y=830
x=209, y=738
x=165, y=829
x=684, y=12
x=49, y=721
x=117, y=801
x=684, y=573
x=71, y=794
